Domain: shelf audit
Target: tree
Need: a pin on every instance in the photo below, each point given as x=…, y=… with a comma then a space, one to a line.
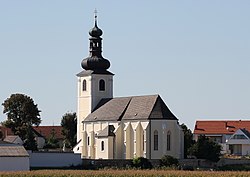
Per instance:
x=169, y=161
x=69, y=125
x=188, y=139
x=29, y=142
x=206, y=149
x=22, y=114
x=52, y=142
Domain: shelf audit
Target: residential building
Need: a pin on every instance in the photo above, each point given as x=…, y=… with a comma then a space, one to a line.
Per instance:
x=232, y=135
x=41, y=133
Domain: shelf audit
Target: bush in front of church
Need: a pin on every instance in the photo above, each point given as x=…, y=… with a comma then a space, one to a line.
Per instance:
x=169, y=161
x=141, y=163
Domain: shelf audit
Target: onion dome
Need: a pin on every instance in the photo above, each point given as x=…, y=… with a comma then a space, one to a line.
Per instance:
x=95, y=61
x=95, y=32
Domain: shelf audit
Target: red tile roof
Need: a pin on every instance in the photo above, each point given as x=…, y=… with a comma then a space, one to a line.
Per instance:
x=43, y=130
x=6, y=131
x=47, y=130
x=220, y=126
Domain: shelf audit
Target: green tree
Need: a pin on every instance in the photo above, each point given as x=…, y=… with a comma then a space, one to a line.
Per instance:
x=188, y=139
x=29, y=142
x=52, y=141
x=69, y=125
x=22, y=114
x=206, y=149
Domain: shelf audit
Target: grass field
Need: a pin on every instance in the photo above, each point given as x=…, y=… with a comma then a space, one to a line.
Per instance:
x=121, y=173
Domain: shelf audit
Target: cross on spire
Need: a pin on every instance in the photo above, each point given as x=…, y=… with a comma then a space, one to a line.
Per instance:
x=95, y=12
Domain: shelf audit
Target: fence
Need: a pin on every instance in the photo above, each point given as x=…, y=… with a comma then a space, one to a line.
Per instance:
x=54, y=159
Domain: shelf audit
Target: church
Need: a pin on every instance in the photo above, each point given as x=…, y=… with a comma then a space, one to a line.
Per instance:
x=120, y=127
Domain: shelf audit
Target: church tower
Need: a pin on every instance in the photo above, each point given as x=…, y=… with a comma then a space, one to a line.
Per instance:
x=95, y=81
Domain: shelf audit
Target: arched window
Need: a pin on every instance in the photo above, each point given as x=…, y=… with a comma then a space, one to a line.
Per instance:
x=156, y=140
x=102, y=146
x=88, y=141
x=84, y=85
x=102, y=85
x=168, y=141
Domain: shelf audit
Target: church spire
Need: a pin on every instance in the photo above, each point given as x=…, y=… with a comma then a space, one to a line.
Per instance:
x=95, y=61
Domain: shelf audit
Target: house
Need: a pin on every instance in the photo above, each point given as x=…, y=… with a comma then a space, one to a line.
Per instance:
x=47, y=131
x=225, y=132
x=120, y=127
x=13, y=139
x=239, y=142
x=41, y=133
x=13, y=157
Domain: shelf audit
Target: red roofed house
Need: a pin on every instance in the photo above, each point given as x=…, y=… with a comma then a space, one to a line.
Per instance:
x=41, y=133
x=233, y=136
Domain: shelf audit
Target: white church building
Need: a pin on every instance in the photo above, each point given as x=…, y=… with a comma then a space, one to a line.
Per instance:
x=120, y=127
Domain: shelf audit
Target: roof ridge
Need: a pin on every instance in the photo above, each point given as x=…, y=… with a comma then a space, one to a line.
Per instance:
x=136, y=96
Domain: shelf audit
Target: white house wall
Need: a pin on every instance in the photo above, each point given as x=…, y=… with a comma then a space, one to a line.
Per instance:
x=246, y=149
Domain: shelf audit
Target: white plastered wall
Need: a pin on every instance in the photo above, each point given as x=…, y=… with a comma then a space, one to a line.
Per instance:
x=176, y=140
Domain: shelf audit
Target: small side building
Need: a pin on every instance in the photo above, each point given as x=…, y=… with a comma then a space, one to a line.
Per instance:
x=13, y=157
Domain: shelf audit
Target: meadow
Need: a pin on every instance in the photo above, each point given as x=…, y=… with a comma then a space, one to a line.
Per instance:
x=123, y=173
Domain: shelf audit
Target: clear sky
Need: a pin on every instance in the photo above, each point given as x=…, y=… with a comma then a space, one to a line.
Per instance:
x=195, y=54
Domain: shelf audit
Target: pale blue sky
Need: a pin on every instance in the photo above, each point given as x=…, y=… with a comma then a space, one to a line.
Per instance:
x=195, y=54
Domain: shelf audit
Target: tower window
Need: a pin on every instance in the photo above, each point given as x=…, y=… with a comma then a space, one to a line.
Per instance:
x=168, y=141
x=84, y=85
x=102, y=146
x=102, y=85
x=156, y=140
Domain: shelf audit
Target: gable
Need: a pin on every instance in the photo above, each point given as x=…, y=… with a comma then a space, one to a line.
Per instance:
x=161, y=111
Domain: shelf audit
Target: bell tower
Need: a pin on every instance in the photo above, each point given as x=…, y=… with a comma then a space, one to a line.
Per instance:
x=95, y=81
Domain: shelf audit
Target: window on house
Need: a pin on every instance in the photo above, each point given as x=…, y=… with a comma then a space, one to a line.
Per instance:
x=168, y=141
x=88, y=140
x=84, y=85
x=102, y=146
x=102, y=85
x=156, y=140
x=239, y=137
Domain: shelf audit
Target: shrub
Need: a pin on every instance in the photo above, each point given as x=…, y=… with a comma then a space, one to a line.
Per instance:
x=205, y=148
x=141, y=162
x=169, y=161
